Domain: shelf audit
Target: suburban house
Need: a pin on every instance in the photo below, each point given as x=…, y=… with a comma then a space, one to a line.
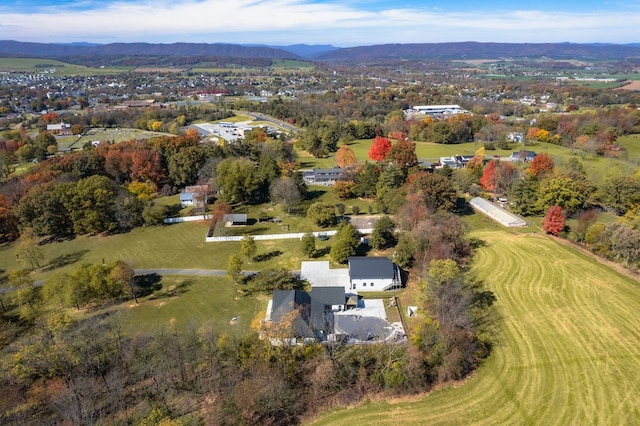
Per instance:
x=196, y=195
x=363, y=274
x=522, y=155
x=333, y=310
x=237, y=219
x=517, y=137
x=60, y=129
x=455, y=162
x=373, y=274
x=324, y=176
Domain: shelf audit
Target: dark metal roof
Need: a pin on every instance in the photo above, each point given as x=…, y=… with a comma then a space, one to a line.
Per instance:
x=361, y=267
x=328, y=295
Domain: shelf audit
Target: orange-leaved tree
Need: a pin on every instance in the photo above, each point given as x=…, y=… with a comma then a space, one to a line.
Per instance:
x=541, y=165
x=345, y=157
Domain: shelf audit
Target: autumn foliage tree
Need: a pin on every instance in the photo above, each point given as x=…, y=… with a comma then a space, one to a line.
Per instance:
x=489, y=176
x=345, y=157
x=541, y=165
x=403, y=154
x=380, y=148
x=553, y=221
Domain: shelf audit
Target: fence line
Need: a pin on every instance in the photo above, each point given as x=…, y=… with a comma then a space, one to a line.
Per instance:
x=187, y=218
x=296, y=235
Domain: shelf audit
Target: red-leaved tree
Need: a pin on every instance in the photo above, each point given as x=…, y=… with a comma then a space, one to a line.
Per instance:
x=489, y=176
x=380, y=148
x=553, y=221
x=542, y=164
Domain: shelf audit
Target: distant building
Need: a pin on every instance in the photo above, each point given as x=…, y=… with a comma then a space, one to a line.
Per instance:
x=455, y=162
x=436, y=110
x=61, y=129
x=235, y=219
x=517, y=137
x=323, y=176
x=196, y=195
x=522, y=155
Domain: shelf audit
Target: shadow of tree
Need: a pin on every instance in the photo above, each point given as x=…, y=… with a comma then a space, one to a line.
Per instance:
x=65, y=259
x=321, y=252
x=363, y=249
x=173, y=210
x=267, y=256
x=147, y=284
x=477, y=243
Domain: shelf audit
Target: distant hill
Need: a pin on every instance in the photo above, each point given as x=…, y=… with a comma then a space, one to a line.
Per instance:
x=476, y=50
x=424, y=51
x=307, y=51
x=50, y=50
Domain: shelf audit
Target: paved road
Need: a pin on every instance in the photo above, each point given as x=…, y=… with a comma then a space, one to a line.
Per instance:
x=261, y=117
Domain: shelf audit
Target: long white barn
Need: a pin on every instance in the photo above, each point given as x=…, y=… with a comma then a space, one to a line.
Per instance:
x=439, y=109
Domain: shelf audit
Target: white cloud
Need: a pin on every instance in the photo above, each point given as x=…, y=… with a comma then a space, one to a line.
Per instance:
x=304, y=21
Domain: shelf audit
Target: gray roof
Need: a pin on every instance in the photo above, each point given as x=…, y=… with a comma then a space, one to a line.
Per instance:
x=234, y=218
x=285, y=301
x=361, y=267
x=328, y=295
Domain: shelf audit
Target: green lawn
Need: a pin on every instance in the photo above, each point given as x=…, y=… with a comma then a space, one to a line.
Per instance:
x=632, y=144
x=568, y=352
x=180, y=245
x=193, y=302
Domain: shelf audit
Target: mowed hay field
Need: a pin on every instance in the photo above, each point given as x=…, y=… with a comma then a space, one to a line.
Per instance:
x=569, y=352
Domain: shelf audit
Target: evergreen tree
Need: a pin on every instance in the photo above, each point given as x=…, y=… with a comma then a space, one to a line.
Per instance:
x=309, y=245
x=347, y=241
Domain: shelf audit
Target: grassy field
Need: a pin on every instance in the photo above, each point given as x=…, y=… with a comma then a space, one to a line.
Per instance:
x=193, y=302
x=39, y=65
x=632, y=144
x=568, y=352
x=105, y=134
x=598, y=168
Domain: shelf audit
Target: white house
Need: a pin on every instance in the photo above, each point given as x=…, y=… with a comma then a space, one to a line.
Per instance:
x=363, y=274
x=373, y=274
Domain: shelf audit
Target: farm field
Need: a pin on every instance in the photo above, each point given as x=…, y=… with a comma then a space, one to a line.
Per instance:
x=567, y=353
x=39, y=65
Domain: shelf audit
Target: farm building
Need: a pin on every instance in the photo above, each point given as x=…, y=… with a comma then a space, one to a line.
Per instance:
x=60, y=129
x=497, y=213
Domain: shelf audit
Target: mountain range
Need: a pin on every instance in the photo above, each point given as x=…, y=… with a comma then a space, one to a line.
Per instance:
x=414, y=51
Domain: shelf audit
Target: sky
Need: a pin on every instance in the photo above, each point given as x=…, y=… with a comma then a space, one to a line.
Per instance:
x=340, y=23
